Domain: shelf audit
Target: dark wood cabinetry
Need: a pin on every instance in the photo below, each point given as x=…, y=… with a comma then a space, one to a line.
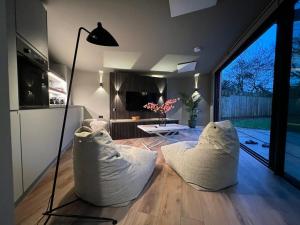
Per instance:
x=124, y=129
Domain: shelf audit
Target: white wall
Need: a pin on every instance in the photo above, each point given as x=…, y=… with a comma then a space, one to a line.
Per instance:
x=86, y=92
x=186, y=85
x=174, y=87
x=6, y=181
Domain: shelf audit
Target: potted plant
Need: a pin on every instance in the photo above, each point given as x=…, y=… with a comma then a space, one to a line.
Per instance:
x=162, y=109
x=191, y=106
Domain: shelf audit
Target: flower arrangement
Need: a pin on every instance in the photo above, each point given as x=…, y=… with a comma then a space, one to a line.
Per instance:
x=162, y=108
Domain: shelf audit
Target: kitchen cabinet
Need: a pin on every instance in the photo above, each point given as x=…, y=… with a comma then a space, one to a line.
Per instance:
x=31, y=24
x=16, y=154
x=40, y=135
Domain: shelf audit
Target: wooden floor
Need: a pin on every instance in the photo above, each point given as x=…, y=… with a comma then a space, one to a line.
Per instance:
x=260, y=198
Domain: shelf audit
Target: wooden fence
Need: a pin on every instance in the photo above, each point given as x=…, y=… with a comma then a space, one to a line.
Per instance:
x=245, y=107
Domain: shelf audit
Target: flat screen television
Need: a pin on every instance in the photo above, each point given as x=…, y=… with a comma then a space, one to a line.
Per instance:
x=135, y=101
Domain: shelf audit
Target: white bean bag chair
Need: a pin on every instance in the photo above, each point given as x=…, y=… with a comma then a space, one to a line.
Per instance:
x=107, y=174
x=96, y=124
x=211, y=163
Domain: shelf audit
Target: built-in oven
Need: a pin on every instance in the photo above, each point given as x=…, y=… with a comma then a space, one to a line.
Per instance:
x=32, y=77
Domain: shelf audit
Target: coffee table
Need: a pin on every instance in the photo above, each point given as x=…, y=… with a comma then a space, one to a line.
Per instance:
x=165, y=132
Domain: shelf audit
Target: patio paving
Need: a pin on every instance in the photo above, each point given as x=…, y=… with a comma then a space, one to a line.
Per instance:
x=292, y=156
x=257, y=135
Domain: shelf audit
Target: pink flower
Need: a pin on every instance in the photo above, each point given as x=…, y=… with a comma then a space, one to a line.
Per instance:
x=164, y=108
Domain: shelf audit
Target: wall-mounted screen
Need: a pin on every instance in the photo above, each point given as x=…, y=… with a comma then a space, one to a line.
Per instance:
x=135, y=101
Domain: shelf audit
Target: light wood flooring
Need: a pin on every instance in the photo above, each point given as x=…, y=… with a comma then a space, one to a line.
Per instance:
x=260, y=198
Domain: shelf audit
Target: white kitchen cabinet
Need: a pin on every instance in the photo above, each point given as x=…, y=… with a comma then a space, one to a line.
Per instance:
x=40, y=135
x=31, y=21
x=16, y=154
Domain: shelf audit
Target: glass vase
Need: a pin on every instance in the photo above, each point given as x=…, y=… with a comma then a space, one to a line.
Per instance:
x=162, y=120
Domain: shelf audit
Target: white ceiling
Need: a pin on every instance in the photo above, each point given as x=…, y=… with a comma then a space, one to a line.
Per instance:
x=149, y=38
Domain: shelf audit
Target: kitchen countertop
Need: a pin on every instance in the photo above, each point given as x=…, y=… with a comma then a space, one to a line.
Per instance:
x=63, y=106
x=51, y=107
x=140, y=120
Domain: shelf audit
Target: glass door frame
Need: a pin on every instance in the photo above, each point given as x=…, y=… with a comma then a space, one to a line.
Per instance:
x=284, y=18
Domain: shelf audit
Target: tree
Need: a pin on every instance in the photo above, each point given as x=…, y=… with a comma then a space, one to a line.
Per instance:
x=228, y=88
x=251, y=73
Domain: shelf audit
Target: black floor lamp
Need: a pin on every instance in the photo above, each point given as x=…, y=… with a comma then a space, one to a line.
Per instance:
x=99, y=36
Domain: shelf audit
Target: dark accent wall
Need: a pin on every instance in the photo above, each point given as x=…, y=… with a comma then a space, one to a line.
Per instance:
x=123, y=81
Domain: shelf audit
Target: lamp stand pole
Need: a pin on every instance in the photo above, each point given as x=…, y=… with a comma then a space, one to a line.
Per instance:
x=50, y=210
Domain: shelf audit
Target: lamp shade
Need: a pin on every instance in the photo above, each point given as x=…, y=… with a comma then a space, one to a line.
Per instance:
x=100, y=36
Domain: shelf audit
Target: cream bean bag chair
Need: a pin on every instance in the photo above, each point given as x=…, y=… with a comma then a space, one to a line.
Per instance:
x=107, y=174
x=211, y=163
x=96, y=124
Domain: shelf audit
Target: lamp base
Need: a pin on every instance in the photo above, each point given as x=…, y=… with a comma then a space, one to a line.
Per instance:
x=52, y=212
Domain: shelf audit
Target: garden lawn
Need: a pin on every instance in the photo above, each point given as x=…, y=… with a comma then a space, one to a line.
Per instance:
x=294, y=123
x=253, y=123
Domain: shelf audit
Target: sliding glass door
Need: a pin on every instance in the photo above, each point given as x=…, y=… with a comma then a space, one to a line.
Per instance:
x=292, y=152
x=258, y=89
x=247, y=91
